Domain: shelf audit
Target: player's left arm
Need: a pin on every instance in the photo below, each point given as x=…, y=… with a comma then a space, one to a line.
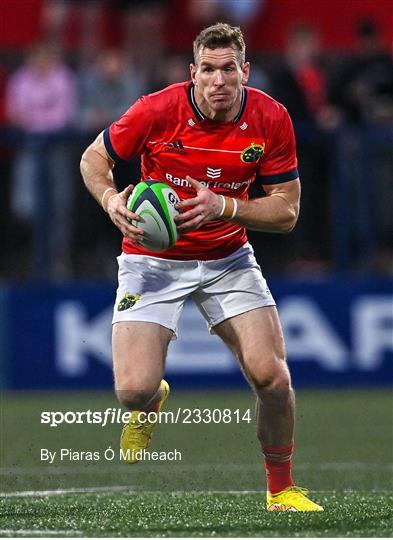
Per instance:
x=276, y=212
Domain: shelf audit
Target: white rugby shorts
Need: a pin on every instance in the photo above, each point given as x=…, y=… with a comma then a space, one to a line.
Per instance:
x=152, y=289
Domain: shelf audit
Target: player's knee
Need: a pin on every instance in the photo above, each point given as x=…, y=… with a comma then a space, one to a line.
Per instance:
x=280, y=385
x=276, y=381
x=136, y=398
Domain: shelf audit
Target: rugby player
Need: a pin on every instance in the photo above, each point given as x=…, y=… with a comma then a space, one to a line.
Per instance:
x=208, y=138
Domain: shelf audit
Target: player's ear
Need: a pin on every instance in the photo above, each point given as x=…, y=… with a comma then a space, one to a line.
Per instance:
x=193, y=70
x=245, y=72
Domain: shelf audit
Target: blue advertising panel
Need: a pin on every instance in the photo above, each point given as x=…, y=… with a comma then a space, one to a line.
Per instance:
x=337, y=333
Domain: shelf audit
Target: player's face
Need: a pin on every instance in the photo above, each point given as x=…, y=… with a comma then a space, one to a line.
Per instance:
x=218, y=78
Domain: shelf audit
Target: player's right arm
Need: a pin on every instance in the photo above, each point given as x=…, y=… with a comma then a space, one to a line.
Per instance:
x=97, y=172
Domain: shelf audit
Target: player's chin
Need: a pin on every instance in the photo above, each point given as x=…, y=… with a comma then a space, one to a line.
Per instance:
x=224, y=99
x=220, y=108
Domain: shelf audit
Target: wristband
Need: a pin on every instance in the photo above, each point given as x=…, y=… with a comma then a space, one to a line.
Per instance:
x=234, y=212
x=228, y=212
x=103, y=196
x=224, y=205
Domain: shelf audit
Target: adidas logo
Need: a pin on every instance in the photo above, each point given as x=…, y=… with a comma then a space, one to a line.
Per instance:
x=213, y=173
x=175, y=146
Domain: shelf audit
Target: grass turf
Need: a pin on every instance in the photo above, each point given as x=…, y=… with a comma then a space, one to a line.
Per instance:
x=344, y=446
x=199, y=514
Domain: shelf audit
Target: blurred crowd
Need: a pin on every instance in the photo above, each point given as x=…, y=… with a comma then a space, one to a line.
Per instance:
x=54, y=101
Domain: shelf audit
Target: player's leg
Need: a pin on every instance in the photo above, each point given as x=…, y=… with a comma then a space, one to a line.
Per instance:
x=149, y=300
x=238, y=305
x=139, y=350
x=256, y=339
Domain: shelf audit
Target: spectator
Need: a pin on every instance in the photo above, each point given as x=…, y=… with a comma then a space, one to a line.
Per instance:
x=143, y=28
x=259, y=77
x=363, y=89
x=208, y=11
x=41, y=103
x=172, y=70
x=5, y=160
x=82, y=17
x=300, y=83
x=107, y=89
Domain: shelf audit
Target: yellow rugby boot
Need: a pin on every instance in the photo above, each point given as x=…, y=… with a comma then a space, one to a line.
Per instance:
x=136, y=435
x=291, y=499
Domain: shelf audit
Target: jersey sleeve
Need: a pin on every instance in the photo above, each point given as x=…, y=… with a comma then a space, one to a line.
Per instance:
x=279, y=164
x=126, y=137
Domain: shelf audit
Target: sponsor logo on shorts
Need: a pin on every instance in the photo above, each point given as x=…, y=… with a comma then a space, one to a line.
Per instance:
x=252, y=153
x=128, y=301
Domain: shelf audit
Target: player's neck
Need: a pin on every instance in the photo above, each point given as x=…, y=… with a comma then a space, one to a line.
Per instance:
x=221, y=115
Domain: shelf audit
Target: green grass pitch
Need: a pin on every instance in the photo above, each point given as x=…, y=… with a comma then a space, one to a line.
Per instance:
x=344, y=456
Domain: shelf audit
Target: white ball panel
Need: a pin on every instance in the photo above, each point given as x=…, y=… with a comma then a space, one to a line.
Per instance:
x=156, y=235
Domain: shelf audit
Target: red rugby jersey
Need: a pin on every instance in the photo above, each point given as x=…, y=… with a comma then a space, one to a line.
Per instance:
x=175, y=139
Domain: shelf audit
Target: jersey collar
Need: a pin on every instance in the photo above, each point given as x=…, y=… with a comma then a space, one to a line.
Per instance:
x=199, y=114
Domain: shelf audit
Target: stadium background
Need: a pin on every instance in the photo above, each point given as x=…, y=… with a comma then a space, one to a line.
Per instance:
x=330, y=64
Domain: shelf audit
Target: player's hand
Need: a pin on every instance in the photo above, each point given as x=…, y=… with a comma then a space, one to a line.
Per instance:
x=205, y=206
x=121, y=216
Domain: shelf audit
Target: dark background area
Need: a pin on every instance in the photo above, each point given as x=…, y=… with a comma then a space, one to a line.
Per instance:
x=328, y=62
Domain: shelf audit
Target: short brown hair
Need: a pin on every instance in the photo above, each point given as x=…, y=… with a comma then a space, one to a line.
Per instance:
x=218, y=36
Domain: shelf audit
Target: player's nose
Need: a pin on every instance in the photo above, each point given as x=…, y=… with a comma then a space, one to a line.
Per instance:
x=219, y=78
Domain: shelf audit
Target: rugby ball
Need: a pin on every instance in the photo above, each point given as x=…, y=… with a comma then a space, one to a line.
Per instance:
x=155, y=203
